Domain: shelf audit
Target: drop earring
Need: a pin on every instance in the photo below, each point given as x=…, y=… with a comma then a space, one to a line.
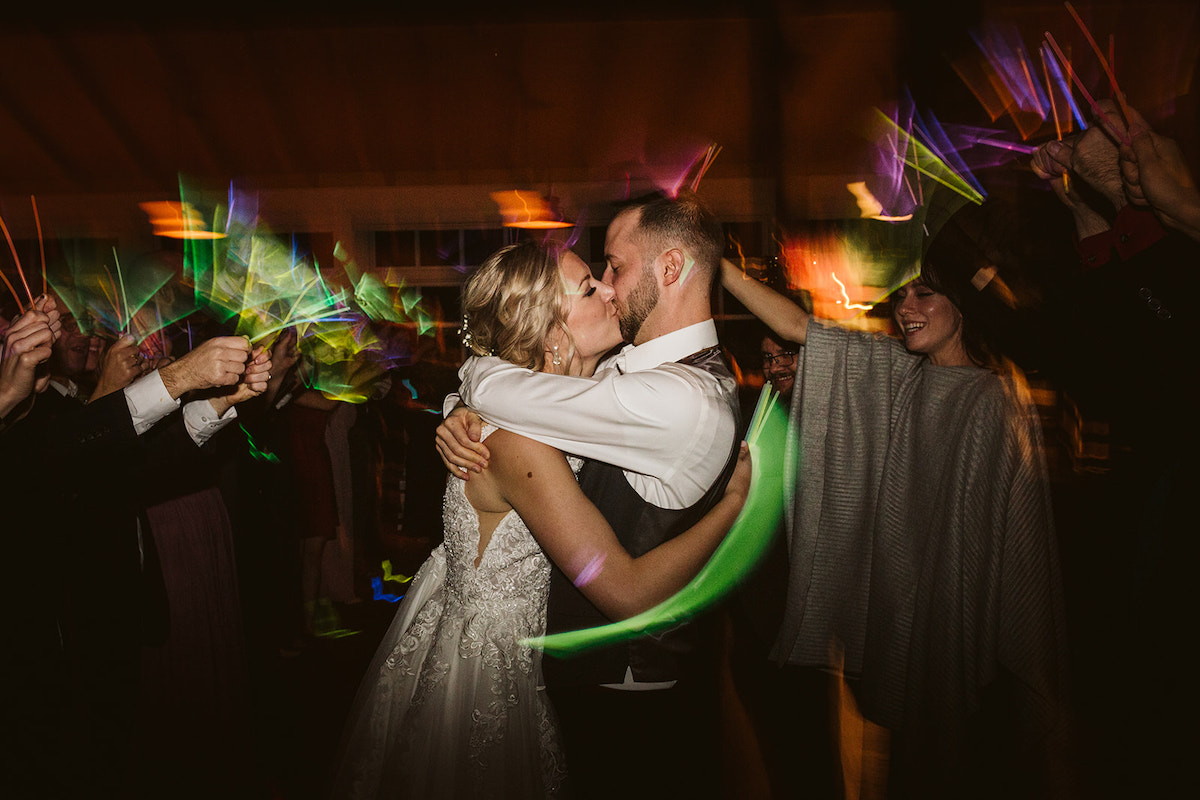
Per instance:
x=557, y=359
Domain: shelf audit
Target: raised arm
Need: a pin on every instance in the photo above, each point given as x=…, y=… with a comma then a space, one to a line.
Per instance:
x=536, y=481
x=776, y=311
x=635, y=421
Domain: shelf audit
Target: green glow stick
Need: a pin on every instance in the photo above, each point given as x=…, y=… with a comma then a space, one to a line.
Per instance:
x=257, y=453
x=289, y=320
x=124, y=296
x=738, y=554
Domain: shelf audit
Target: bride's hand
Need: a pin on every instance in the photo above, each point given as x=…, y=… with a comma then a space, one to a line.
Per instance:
x=739, y=483
x=458, y=443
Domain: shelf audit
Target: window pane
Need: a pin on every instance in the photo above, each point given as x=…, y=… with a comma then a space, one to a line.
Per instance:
x=479, y=244
x=439, y=248
x=395, y=248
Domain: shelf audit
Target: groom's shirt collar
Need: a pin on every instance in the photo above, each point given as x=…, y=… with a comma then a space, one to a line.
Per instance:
x=665, y=349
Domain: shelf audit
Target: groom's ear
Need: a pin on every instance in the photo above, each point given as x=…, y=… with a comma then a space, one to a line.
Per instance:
x=671, y=266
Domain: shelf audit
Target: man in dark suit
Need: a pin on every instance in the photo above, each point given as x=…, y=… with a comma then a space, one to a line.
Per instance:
x=84, y=561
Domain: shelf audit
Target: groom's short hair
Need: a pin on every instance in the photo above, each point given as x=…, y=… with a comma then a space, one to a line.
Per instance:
x=682, y=221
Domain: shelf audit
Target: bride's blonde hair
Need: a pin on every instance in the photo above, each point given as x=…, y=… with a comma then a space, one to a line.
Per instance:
x=514, y=302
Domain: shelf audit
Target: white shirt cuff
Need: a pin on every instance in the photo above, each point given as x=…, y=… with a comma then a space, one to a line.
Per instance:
x=148, y=402
x=202, y=421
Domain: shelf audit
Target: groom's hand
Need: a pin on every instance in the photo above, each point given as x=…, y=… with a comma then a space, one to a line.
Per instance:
x=458, y=443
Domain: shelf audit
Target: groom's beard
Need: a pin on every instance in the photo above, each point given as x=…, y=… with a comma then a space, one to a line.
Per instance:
x=641, y=301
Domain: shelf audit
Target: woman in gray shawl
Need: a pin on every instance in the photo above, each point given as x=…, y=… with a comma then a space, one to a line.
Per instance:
x=921, y=543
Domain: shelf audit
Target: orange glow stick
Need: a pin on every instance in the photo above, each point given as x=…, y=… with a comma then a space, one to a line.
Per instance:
x=41, y=243
x=709, y=156
x=1079, y=84
x=1112, y=79
x=13, y=248
x=1050, y=91
x=1053, y=107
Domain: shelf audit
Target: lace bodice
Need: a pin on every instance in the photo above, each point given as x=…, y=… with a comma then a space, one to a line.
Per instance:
x=512, y=581
x=455, y=655
x=513, y=573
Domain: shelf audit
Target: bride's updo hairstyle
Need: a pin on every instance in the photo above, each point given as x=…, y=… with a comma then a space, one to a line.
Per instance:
x=513, y=302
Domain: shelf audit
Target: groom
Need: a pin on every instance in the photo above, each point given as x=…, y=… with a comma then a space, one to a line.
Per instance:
x=637, y=718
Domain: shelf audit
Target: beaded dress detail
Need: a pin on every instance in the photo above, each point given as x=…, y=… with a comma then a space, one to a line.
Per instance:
x=450, y=706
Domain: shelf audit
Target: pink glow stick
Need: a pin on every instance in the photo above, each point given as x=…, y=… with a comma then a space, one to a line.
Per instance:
x=1083, y=89
x=1112, y=79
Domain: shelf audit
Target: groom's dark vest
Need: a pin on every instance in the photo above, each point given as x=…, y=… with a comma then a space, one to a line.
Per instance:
x=640, y=527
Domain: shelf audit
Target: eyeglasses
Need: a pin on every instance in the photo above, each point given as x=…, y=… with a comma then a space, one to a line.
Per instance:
x=778, y=358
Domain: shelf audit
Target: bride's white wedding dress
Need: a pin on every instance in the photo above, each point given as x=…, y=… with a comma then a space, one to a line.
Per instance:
x=450, y=706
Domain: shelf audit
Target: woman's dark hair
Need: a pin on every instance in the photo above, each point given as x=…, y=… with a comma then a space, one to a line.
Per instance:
x=960, y=261
x=942, y=277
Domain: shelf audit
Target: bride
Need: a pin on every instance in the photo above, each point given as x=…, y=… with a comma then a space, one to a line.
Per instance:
x=451, y=704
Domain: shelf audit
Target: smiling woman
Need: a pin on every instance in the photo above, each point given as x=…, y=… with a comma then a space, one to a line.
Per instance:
x=930, y=324
x=921, y=536
x=949, y=303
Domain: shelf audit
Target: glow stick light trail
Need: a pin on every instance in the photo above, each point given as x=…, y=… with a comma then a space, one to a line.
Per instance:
x=377, y=584
x=1063, y=85
x=37, y=220
x=924, y=160
x=1083, y=89
x=1112, y=78
x=739, y=553
x=17, y=261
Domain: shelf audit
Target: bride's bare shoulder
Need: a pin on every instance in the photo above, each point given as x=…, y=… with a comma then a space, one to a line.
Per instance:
x=512, y=454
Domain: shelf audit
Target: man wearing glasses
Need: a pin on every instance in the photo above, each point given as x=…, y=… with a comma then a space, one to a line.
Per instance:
x=779, y=365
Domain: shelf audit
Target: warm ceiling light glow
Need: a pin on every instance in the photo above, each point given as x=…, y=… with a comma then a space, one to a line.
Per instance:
x=522, y=209
x=188, y=234
x=176, y=220
x=539, y=224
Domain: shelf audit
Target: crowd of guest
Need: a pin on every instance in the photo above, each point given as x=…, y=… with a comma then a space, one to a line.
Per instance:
x=82, y=483
x=175, y=517
x=169, y=508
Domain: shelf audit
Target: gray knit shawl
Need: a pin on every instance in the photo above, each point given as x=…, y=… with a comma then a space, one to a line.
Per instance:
x=920, y=535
